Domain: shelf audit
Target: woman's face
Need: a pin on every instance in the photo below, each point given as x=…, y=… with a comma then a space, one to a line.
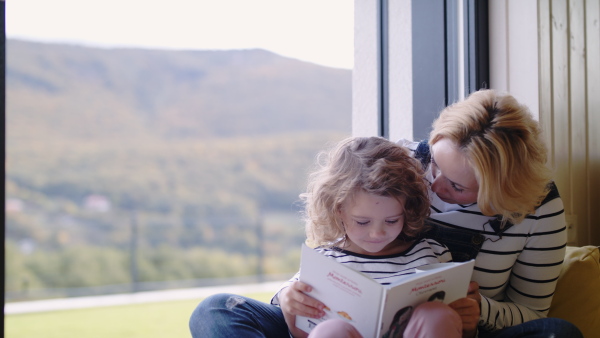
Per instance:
x=453, y=177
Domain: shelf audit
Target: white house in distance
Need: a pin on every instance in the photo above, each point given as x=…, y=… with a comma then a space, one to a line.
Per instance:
x=96, y=203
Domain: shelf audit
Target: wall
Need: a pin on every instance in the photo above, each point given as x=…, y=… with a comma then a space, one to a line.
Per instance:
x=560, y=82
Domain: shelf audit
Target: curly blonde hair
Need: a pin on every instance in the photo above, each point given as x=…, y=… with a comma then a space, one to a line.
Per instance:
x=503, y=144
x=371, y=164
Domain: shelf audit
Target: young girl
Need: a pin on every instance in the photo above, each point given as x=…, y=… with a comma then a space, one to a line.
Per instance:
x=365, y=206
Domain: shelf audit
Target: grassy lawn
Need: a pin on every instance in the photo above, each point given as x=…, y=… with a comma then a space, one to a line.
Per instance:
x=151, y=320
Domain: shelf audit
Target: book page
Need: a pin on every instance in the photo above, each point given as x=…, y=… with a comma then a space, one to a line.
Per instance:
x=346, y=293
x=442, y=282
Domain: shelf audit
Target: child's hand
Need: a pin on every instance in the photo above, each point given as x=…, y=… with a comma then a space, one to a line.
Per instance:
x=469, y=309
x=294, y=301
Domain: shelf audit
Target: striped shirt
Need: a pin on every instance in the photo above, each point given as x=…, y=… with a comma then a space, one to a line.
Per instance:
x=516, y=270
x=384, y=269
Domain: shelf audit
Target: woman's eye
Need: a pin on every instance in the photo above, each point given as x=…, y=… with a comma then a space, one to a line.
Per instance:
x=434, y=169
x=456, y=188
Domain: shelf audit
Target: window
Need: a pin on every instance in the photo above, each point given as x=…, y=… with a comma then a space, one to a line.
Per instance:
x=412, y=59
x=135, y=168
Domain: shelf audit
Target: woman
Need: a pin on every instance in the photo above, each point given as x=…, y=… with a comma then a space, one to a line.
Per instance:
x=486, y=165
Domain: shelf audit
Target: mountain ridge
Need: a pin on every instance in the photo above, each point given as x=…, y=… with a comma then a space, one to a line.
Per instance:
x=171, y=94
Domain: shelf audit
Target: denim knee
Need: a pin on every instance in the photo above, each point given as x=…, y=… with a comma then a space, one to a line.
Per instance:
x=207, y=308
x=562, y=328
x=229, y=315
x=538, y=328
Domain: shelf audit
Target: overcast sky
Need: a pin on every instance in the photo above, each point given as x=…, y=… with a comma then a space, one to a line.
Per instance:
x=319, y=31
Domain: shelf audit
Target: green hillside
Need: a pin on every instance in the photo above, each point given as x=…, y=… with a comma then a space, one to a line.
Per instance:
x=87, y=93
x=200, y=151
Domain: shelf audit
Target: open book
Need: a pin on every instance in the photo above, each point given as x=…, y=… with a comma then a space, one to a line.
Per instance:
x=374, y=309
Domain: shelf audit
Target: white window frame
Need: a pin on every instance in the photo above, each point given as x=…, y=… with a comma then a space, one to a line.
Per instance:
x=396, y=93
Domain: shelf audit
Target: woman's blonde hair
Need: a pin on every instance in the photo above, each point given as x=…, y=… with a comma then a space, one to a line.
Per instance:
x=371, y=164
x=503, y=144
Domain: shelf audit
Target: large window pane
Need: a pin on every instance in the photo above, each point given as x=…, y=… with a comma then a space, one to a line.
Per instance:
x=153, y=161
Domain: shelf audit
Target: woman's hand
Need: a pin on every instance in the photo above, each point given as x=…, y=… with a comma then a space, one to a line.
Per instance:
x=469, y=309
x=294, y=301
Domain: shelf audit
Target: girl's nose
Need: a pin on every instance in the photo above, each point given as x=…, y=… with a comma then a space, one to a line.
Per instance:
x=377, y=231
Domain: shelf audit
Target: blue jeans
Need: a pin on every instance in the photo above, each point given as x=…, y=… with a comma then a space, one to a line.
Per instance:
x=227, y=315
x=539, y=328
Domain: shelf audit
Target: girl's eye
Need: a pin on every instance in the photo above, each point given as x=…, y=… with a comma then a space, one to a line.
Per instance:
x=455, y=187
x=393, y=221
x=362, y=223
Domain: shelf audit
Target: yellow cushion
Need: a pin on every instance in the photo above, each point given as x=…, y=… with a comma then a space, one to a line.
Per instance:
x=577, y=295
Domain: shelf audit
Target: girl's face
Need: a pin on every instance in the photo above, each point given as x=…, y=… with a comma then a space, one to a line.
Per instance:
x=453, y=177
x=372, y=223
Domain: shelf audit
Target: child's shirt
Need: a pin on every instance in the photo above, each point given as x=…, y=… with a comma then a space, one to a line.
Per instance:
x=384, y=269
